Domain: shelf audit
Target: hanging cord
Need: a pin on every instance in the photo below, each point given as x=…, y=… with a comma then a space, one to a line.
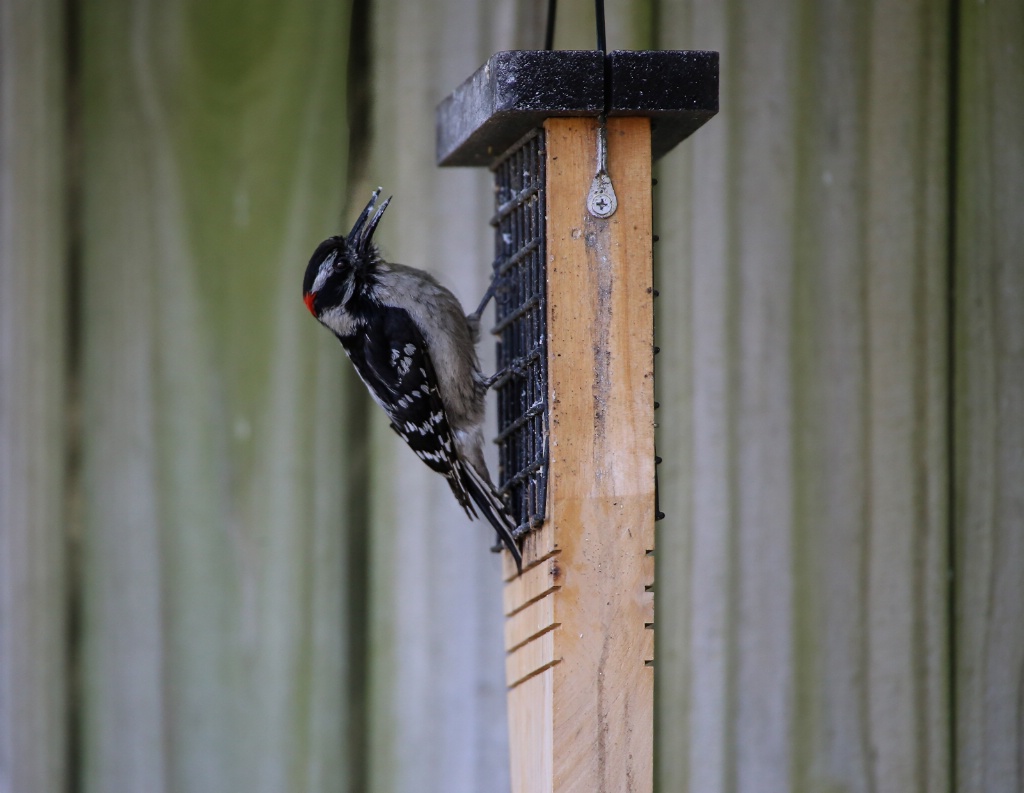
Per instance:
x=549, y=31
x=602, y=47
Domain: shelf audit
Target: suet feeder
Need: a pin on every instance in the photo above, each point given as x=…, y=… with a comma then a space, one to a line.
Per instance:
x=570, y=137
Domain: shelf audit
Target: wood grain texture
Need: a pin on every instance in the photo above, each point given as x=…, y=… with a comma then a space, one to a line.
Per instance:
x=33, y=418
x=215, y=650
x=592, y=551
x=989, y=395
x=803, y=639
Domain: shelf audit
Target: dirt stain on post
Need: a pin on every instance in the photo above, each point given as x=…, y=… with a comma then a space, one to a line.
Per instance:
x=599, y=265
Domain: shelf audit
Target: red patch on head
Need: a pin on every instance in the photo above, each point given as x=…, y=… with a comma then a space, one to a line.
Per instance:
x=308, y=300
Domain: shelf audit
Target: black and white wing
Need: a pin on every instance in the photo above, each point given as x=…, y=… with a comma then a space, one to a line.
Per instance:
x=393, y=360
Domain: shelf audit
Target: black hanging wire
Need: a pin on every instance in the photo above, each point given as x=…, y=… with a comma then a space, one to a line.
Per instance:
x=549, y=31
x=602, y=47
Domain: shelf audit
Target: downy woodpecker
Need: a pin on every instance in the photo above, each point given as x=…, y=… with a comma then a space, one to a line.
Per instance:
x=415, y=350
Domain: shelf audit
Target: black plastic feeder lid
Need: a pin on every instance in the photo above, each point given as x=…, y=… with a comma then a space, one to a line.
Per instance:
x=515, y=91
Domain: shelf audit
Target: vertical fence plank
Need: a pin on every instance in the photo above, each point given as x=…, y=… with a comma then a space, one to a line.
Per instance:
x=801, y=584
x=33, y=344
x=214, y=450
x=437, y=701
x=989, y=398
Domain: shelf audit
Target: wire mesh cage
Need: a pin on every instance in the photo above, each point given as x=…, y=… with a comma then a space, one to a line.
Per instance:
x=521, y=328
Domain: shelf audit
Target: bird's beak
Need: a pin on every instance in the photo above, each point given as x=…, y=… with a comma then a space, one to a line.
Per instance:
x=362, y=232
x=367, y=235
x=363, y=217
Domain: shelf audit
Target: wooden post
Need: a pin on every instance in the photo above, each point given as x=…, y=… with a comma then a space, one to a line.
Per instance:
x=579, y=631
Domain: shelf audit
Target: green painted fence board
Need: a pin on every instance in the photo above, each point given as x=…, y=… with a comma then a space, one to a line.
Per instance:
x=437, y=712
x=33, y=402
x=802, y=569
x=215, y=650
x=989, y=397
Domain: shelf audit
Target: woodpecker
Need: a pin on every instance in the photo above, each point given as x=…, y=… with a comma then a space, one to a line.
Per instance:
x=414, y=348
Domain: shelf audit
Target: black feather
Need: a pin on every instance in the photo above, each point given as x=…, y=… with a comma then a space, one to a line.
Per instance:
x=393, y=360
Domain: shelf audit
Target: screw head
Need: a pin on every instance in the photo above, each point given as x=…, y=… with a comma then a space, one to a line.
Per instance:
x=601, y=202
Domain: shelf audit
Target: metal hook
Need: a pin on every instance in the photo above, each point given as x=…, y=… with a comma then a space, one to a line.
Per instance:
x=601, y=201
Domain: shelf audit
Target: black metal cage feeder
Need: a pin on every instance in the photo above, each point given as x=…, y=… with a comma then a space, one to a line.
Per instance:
x=495, y=119
x=521, y=328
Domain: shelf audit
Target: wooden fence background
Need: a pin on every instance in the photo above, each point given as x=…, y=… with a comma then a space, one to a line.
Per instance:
x=220, y=571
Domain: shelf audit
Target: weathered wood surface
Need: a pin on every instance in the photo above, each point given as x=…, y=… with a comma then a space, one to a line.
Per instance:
x=989, y=397
x=802, y=582
x=578, y=632
x=33, y=402
x=214, y=652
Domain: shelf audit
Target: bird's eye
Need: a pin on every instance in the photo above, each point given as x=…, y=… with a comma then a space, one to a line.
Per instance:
x=331, y=262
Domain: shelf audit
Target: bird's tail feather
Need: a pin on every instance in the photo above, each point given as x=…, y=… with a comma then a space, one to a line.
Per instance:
x=493, y=509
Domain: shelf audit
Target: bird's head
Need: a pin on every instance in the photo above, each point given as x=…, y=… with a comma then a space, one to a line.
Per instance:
x=335, y=264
